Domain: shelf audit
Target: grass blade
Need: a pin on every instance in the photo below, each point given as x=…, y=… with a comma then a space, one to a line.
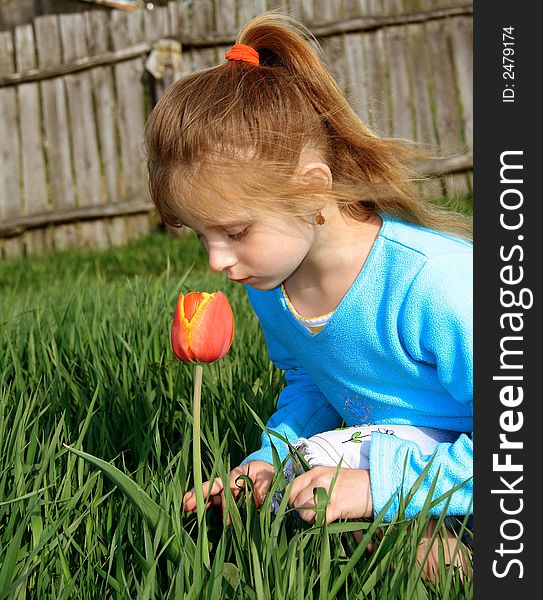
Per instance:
x=141, y=500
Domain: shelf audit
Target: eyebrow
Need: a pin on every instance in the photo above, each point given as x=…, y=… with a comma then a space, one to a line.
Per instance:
x=230, y=224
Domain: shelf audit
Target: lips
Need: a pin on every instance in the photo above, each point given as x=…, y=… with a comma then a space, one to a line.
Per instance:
x=240, y=280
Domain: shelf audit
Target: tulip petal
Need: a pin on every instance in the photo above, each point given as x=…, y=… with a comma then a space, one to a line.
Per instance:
x=192, y=302
x=212, y=329
x=203, y=327
x=180, y=336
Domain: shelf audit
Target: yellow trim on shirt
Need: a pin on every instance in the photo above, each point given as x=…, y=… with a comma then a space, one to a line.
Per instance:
x=297, y=314
x=314, y=324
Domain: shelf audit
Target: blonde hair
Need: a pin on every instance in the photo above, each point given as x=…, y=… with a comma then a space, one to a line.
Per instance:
x=231, y=137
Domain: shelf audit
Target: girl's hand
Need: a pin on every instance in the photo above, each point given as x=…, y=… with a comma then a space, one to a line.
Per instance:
x=259, y=471
x=350, y=498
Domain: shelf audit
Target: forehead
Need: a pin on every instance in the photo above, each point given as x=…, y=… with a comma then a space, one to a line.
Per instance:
x=216, y=221
x=210, y=196
x=222, y=194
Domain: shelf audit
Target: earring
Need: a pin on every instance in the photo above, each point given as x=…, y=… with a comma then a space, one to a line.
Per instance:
x=319, y=219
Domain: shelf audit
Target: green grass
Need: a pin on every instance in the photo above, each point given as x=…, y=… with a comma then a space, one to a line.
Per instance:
x=86, y=361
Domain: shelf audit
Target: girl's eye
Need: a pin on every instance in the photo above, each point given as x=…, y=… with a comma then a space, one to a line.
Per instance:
x=238, y=235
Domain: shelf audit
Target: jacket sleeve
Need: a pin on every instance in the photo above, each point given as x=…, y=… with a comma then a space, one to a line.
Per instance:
x=302, y=409
x=436, y=328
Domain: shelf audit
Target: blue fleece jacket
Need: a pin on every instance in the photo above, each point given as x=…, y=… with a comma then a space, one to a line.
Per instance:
x=397, y=350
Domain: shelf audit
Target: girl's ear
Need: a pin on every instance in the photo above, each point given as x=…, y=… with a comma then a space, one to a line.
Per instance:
x=316, y=173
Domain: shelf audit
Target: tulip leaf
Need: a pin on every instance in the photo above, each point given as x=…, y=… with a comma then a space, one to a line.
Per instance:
x=151, y=511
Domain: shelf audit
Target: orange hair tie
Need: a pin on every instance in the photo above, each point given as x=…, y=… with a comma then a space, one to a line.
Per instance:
x=243, y=53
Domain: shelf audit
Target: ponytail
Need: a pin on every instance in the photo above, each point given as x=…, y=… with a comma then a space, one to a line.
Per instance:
x=250, y=122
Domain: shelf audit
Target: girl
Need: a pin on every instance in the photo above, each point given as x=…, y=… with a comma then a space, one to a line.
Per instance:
x=363, y=289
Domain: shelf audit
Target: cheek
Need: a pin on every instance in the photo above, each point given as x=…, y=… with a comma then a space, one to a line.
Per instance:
x=257, y=255
x=275, y=248
x=274, y=252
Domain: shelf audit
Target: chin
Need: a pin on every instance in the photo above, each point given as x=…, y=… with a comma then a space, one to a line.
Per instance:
x=263, y=286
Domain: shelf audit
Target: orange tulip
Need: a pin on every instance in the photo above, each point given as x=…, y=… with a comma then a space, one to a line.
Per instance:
x=203, y=327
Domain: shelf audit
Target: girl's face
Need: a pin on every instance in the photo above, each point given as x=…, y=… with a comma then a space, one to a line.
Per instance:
x=262, y=252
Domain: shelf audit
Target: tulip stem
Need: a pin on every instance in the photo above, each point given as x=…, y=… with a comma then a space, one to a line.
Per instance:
x=197, y=466
x=196, y=455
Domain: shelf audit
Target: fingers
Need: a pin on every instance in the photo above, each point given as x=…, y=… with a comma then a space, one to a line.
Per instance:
x=189, y=502
x=299, y=485
x=302, y=497
x=349, y=498
x=215, y=490
x=303, y=494
x=307, y=510
x=209, y=488
x=260, y=473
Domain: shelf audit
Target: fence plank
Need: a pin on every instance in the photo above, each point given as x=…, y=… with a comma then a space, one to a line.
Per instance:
x=66, y=237
x=10, y=170
x=56, y=127
x=448, y=118
x=81, y=113
x=462, y=43
x=374, y=7
x=163, y=18
x=353, y=9
x=34, y=184
x=302, y=10
x=333, y=47
x=425, y=135
x=202, y=23
x=378, y=87
x=334, y=57
x=202, y=17
x=156, y=24
x=411, y=5
x=151, y=25
x=225, y=22
x=449, y=124
x=127, y=29
x=325, y=11
x=183, y=20
x=174, y=18
x=392, y=7
x=55, y=114
x=137, y=226
x=35, y=189
x=248, y=9
x=433, y=4
x=400, y=94
x=104, y=101
x=284, y=6
x=225, y=16
x=84, y=142
x=203, y=58
x=10, y=155
x=418, y=59
x=357, y=75
x=117, y=231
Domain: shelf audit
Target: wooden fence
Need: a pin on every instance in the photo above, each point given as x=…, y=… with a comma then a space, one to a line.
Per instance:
x=74, y=95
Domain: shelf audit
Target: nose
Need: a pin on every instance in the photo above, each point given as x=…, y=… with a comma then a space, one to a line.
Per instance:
x=220, y=257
